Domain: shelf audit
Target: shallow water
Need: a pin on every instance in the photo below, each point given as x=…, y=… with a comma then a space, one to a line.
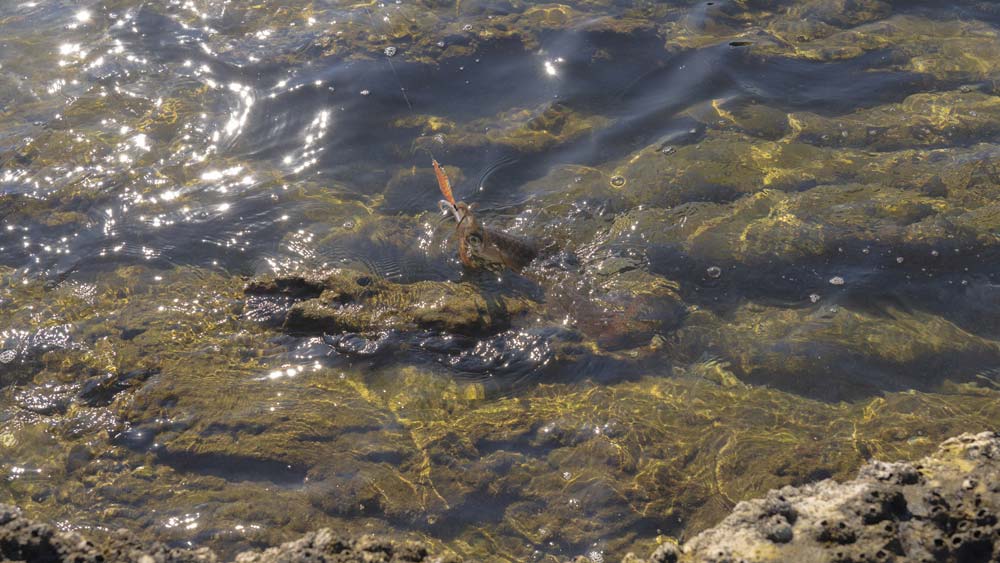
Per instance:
x=769, y=233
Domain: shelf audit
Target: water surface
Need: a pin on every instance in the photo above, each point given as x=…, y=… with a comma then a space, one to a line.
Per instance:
x=770, y=233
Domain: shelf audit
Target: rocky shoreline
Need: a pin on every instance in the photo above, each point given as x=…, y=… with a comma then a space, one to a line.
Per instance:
x=941, y=508
x=22, y=539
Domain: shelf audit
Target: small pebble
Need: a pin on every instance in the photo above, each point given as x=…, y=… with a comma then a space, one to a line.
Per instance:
x=365, y=92
x=467, y=27
x=714, y=272
x=440, y=44
x=390, y=51
x=837, y=280
x=813, y=297
x=899, y=259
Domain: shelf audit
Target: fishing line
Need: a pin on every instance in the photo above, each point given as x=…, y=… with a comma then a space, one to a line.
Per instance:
x=501, y=163
x=388, y=59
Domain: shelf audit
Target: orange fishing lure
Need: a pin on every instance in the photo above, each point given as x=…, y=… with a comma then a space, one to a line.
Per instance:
x=443, y=182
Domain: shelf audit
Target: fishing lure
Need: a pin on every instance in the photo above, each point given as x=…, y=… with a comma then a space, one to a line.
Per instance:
x=481, y=247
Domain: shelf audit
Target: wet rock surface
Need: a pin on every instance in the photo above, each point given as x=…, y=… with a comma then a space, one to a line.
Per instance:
x=941, y=508
x=346, y=301
x=22, y=539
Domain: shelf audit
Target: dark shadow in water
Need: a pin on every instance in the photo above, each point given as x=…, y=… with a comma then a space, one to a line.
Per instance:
x=234, y=468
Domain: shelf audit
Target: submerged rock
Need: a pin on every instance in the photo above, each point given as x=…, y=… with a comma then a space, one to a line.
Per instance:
x=345, y=301
x=941, y=508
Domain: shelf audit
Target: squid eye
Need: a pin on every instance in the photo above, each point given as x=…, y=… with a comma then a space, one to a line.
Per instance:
x=475, y=239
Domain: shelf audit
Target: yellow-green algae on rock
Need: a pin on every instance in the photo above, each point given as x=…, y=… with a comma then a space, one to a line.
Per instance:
x=230, y=437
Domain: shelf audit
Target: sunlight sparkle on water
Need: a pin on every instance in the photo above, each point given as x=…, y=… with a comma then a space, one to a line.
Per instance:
x=286, y=371
x=212, y=175
x=141, y=141
x=188, y=521
x=69, y=49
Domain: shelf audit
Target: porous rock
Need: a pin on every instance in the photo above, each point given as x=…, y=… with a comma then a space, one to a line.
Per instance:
x=22, y=539
x=942, y=508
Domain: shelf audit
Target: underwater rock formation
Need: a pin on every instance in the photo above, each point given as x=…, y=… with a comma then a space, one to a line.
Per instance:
x=22, y=539
x=941, y=508
x=353, y=302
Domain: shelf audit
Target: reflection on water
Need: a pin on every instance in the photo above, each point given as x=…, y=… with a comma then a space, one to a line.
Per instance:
x=768, y=236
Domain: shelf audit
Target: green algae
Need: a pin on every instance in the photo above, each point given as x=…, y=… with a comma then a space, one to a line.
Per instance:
x=962, y=50
x=372, y=451
x=525, y=131
x=591, y=453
